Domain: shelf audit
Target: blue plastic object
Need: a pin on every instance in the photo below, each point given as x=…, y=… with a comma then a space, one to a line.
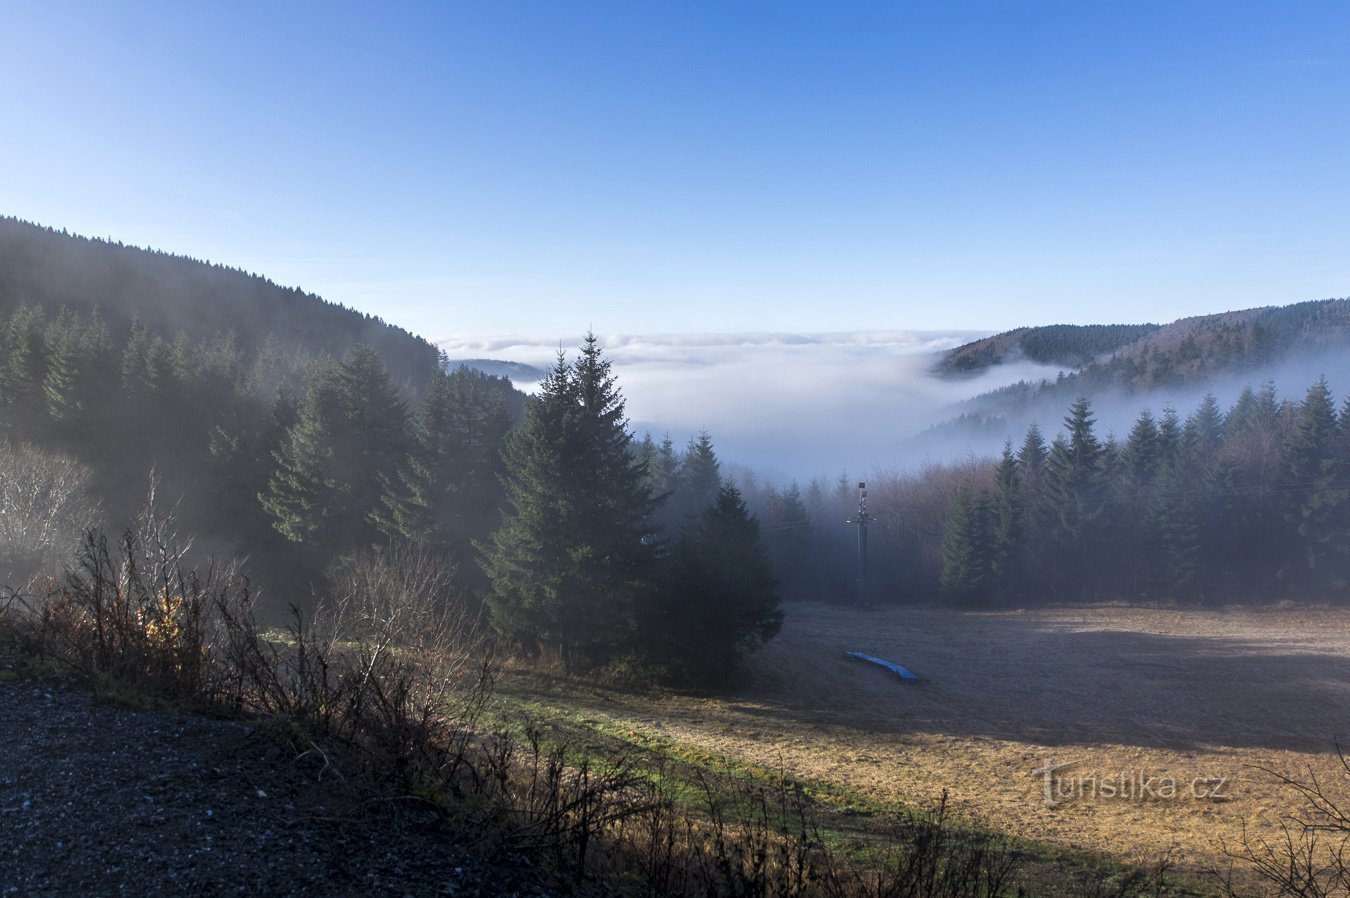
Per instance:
x=889, y=665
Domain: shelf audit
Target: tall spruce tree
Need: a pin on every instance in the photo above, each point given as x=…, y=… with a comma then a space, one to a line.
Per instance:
x=1077, y=492
x=574, y=555
x=1007, y=528
x=349, y=439
x=967, y=550
x=1313, y=488
x=300, y=492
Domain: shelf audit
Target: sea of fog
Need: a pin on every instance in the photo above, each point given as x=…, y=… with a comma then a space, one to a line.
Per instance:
x=786, y=405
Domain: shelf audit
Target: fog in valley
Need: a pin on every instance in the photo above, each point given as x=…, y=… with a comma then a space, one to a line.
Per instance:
x=786, y=405
x=805, y=405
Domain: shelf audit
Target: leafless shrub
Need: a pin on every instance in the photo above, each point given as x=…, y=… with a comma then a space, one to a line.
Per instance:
x=133, y=615
x=931, y=856
x=1309, y=857
x=553, y=801
x=45, y=506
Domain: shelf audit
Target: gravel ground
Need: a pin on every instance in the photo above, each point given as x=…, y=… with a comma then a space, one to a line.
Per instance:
x=100, y=800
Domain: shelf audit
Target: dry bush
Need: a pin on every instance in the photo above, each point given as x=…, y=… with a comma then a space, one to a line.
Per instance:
x=45, y=507
x=758, y=838
x=1310, y=855
x=931, y=856
x=393, y=671
x=545, y=798
x=134, y=615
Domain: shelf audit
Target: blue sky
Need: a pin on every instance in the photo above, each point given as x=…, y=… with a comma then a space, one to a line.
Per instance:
x=645, y=167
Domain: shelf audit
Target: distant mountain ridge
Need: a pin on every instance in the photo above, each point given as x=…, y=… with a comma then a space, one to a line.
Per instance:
x=1068, y=345
x=1151, y=362
x=516, y=372
x=1143, y=357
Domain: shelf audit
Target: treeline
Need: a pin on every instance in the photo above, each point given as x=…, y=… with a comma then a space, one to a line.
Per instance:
x=1248, y=503
x=1184, y=353
x=1251, y=502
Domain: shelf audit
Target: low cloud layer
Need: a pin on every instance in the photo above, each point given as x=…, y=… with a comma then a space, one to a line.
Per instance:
x=788, y=405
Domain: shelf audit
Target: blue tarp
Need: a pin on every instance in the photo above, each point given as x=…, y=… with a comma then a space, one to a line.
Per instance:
x=889, y=665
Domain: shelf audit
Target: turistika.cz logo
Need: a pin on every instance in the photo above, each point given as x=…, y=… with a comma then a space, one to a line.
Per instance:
x=1060, y=786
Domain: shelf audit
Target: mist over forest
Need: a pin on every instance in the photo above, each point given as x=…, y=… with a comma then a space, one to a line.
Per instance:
x=801, y=406
x=789, y=406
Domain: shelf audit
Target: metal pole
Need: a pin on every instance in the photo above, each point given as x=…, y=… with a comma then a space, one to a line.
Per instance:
x=861, y=520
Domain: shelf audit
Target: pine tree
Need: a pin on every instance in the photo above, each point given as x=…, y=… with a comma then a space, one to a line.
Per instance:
x=698, y=481
x=60, y=383
x=300, y=495
x=1034, y=453
x=1007, y=528
x=573, y=557
x=789, y=538
x=1169, y=436
x=722, y=599
x=1143, y=452
x=662, y=464
x=1204, y=430
x=374, y=440
x=1173, y=520
x=966, y=577
x=447, y=490
x=1076, y=489
x=25, y=360
x=1314, y=491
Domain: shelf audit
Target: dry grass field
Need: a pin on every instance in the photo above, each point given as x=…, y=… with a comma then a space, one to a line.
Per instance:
x=1159, y=695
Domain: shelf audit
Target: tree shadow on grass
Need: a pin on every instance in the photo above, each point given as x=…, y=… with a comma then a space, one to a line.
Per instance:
x=1031, y=680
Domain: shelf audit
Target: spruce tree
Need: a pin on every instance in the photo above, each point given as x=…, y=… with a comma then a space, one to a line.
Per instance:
x=1143, y=452
x=698, y=480
x=967, y=551
x=300, y=494
x=23, y=366
x=789, y=538
x=721, y=601
x=1313, y=488
x=1007, y=528
x=1076, y=490
x=1203, y=433
x=574, y=556
x=1034, y=453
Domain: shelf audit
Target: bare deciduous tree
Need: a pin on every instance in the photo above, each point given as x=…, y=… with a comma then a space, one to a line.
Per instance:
x=45, y=508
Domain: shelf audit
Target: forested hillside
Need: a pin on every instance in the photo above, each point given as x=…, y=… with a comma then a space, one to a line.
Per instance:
x=172, y=295
x=1140, y=358
x=284, y=427
x=1177, y=363
x=1066, y=345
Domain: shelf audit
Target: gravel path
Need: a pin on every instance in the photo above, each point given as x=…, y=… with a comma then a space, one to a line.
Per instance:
x=99, y=800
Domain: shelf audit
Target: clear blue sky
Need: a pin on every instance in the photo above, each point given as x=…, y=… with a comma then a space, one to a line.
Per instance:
x=500, y=167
